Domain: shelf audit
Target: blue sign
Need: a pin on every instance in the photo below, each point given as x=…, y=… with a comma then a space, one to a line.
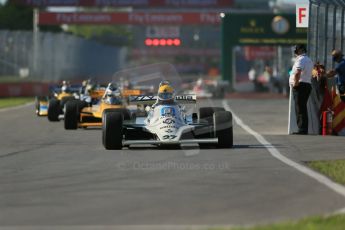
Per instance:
x=168, y=112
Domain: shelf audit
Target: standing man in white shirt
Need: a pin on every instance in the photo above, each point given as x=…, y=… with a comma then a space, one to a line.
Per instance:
x=300, y=81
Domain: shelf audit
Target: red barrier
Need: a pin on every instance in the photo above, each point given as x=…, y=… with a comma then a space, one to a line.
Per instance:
x=26, y=89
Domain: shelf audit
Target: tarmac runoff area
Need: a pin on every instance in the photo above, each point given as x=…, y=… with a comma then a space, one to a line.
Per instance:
x=65, y=179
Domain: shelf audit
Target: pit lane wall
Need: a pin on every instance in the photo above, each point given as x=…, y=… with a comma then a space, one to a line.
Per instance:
x=26, y=89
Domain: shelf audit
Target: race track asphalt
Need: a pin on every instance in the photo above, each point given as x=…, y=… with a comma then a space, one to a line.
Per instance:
x=53, y=177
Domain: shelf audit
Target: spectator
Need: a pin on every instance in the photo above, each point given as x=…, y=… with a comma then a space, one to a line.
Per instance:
x=252, y=77
x=339, y=70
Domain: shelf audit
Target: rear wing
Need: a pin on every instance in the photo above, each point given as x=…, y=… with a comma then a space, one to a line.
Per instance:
x=131, y=92
x=150, y=100
x=97, y=94
x=186, y=99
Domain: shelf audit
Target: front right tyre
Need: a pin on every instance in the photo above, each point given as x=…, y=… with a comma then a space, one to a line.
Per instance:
x=112, y=131
x=54, y=110
x=71, y=115
x=223, y=130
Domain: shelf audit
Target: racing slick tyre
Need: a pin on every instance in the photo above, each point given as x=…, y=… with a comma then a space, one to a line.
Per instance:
x=223, y=129
x=54, y=110
x=71, y=115
x=112, y=130
x=64, y=100
x=125, y=112
x=206, y=114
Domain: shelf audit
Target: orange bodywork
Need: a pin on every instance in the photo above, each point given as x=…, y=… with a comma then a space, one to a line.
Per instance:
x=97, y=94
x=95, y=112
x=131, y=92
x=62, y=95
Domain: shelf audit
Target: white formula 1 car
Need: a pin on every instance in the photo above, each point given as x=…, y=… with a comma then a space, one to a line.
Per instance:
x=167, y=124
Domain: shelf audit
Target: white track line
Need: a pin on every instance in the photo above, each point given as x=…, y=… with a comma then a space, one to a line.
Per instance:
x=338, y=188
x=17, y=107
x=340, y=211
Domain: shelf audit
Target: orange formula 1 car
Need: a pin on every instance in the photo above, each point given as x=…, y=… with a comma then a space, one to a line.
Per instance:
x=79, y=114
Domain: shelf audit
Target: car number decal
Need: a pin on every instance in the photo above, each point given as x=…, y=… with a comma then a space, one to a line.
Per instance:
x=169, y=137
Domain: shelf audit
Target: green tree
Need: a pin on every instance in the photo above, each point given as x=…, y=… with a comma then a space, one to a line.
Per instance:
x=19, y=17
x=107, y=34
x=15, y=17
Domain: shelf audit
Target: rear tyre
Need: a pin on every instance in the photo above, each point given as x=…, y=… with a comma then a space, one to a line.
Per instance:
x=112, y=134
x=71, y=115
x=223, y=128
x=54, y=110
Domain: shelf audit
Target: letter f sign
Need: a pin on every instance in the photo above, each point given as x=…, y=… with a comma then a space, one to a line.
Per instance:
x=302, y=15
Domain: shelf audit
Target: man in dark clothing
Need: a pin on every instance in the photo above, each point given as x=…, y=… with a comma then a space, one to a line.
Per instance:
x=300, y=81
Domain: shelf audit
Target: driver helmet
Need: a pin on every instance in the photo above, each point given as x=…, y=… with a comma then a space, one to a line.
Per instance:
x=64, y=88
x=165, y=92
x=112, y=88
x=112, y=91
x=84, y=83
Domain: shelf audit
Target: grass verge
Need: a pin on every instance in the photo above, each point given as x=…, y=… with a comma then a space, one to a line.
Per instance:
x=14, y=101
x=334, y=169
x=336, y=222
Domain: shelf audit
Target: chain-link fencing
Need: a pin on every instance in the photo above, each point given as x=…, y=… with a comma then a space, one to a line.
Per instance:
x=57, y=56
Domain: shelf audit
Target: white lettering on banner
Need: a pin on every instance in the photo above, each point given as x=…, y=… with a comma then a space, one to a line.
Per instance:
x=63, y=18
x=179, y=3
x=135, y=18
x=52, y=2
x=163, y=31
x=302, y=15
x=122, y=2
x=76, y=18
x=93, y=18
x=209, y=18
x=131, y=3
x=159, y=18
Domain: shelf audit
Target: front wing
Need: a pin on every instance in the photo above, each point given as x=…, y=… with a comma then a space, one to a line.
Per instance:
x=201, y=128
x=158, y=142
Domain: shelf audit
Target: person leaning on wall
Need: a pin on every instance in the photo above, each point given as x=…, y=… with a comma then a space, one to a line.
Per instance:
x=339, y=72
x=300, y=81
